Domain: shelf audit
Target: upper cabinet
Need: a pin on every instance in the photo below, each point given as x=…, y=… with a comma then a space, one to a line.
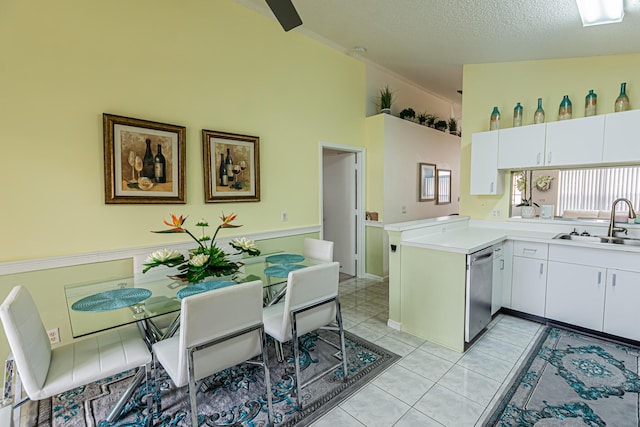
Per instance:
x=621, y=137
x=485, y=176
x=521, y=147
x=575, y=142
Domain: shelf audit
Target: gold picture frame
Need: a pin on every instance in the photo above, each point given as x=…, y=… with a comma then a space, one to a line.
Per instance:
x=443, y=192
x=129, y=176
x=231, y=167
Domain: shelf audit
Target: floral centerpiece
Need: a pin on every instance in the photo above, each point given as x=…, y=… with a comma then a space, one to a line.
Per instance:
x=206, y=259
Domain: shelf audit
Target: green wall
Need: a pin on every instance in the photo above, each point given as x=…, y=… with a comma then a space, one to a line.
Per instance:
x=201, y=64
x=505, y=84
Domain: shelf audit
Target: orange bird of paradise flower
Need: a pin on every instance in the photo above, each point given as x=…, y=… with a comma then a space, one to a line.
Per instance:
x=176, y=222
x=227, y=219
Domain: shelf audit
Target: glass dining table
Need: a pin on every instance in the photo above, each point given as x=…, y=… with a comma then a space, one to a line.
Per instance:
x=101, y=305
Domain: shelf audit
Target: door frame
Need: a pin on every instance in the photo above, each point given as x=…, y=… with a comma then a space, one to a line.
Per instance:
x=360, y=153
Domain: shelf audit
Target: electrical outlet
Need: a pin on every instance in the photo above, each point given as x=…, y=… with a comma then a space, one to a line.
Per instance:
x=283, y=216
x=404, y=209
x=54, y=335
x=496, y=212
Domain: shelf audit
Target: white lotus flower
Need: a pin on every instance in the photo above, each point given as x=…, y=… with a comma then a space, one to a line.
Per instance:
x=199, y=260
x=163, y=255
x=243, y=243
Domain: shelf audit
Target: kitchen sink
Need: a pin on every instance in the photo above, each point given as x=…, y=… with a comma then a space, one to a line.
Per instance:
x=599, y=239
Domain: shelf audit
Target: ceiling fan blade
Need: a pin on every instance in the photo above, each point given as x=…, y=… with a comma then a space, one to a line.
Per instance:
x=286, y=13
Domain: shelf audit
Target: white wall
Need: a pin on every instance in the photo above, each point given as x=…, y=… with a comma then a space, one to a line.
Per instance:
x=405, y=145
x=407, y=94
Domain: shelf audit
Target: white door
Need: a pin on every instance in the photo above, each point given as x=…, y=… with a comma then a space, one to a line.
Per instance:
x=339, y=202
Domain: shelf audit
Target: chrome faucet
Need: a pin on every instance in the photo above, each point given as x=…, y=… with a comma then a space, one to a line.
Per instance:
x=612, y=228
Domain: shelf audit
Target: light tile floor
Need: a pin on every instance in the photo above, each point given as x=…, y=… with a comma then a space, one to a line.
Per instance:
x=430, y=385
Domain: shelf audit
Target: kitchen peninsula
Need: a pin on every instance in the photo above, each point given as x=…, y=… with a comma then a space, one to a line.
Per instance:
x=564, y=280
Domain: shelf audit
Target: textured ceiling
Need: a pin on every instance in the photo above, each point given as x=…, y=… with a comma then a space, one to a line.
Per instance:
x=428, y=41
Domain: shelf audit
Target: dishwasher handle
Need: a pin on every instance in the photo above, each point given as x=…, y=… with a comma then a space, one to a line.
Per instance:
x=481, y=259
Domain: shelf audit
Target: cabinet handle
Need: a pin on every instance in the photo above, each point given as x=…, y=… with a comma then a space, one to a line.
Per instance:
x=501, y=264
x=613, y=282
x=541, y=268
x=599, y=277
x=529, y=250
x=538, y=159
x=491, y=190
x=549, y=158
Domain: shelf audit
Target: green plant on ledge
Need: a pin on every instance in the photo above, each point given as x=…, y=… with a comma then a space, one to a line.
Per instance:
x=431, y=120
x=422, y=118
x=408, y=114
x=441, y=125
x=385, y=99
x=453, y=125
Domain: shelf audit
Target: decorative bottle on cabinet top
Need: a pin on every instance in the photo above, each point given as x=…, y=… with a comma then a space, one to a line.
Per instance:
x=494, y=123
x=622, y=102
x=590, y=104
x=538, y=116
x=517, y=115
x=564, y=113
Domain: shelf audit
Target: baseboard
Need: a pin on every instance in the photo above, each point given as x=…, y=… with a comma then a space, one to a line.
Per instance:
x=373, y=277
x=393, y=324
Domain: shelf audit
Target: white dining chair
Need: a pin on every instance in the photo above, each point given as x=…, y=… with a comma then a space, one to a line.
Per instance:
x=310, y=302
x=218, y=329
x=45, y=371
x=318, y=249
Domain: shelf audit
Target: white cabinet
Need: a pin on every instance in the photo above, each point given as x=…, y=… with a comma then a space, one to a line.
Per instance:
x=575, y=294
x=521, y=147
x=485, y=176
x=621, y=132
x=498, y=281
x=529, y=281
x=621, y=314
x=575, y=142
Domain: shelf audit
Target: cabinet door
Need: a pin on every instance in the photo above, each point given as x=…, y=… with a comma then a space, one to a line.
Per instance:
x=521, y=147
x=621, y=314
x=621, y=132
x=485, y=177
x=575, y=294
x=498, y=271
x=528, y=286
x=575, y=142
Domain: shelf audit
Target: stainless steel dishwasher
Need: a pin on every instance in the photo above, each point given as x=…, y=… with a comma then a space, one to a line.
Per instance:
x=478, y=294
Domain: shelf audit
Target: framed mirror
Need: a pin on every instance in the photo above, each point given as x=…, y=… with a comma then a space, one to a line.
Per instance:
x=427, y=184
x=444, y=187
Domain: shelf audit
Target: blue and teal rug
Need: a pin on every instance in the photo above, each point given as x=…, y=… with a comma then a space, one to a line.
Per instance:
x=234, y=397
x=573, y=379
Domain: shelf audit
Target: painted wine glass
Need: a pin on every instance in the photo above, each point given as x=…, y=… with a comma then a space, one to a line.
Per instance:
x=138, y=165
x=243, y=166
x=132, y=162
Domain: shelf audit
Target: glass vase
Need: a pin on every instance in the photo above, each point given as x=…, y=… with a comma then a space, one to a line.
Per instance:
x=590, y=103
x=517, y=115
x=622, y=102
x=538, y=116
x=564, y=113
x=494, y=122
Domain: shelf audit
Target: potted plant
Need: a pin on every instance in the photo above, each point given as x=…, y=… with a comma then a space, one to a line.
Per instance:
x=523, y=184
x=441, y=125
x=385, y=99
x=422, y=118
x=431, y=120
x=453, y=126
x=408, y=114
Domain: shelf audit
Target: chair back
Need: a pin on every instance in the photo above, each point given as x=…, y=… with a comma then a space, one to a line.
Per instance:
x=318, y=249
x=209, y=316
x=308, y=286
x=27, y=338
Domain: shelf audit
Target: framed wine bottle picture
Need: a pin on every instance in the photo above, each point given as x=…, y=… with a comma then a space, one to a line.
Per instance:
x=143, y=161
x=231, y=167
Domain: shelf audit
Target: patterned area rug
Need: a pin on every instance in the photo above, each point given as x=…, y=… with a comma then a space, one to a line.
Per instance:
x=234, y=397
x=573, y=379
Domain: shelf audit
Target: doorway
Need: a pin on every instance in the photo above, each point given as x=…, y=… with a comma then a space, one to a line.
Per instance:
x=342, y=202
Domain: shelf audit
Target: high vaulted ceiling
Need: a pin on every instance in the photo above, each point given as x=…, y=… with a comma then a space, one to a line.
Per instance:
x=428, y=41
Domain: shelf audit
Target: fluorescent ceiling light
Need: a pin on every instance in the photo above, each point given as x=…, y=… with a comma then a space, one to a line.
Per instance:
x=596, y=12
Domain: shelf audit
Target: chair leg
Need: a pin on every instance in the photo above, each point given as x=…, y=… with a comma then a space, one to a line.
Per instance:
x=296, y=361
x=157, y=389
x=345, y=373
x=279, y=350
x=267, y=378
x=192, y=391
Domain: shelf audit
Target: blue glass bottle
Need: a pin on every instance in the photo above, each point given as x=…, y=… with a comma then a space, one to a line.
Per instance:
x=538, y=116
x=564, y=113
x=590, y=103
x=517, y=115
x=494, y=123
